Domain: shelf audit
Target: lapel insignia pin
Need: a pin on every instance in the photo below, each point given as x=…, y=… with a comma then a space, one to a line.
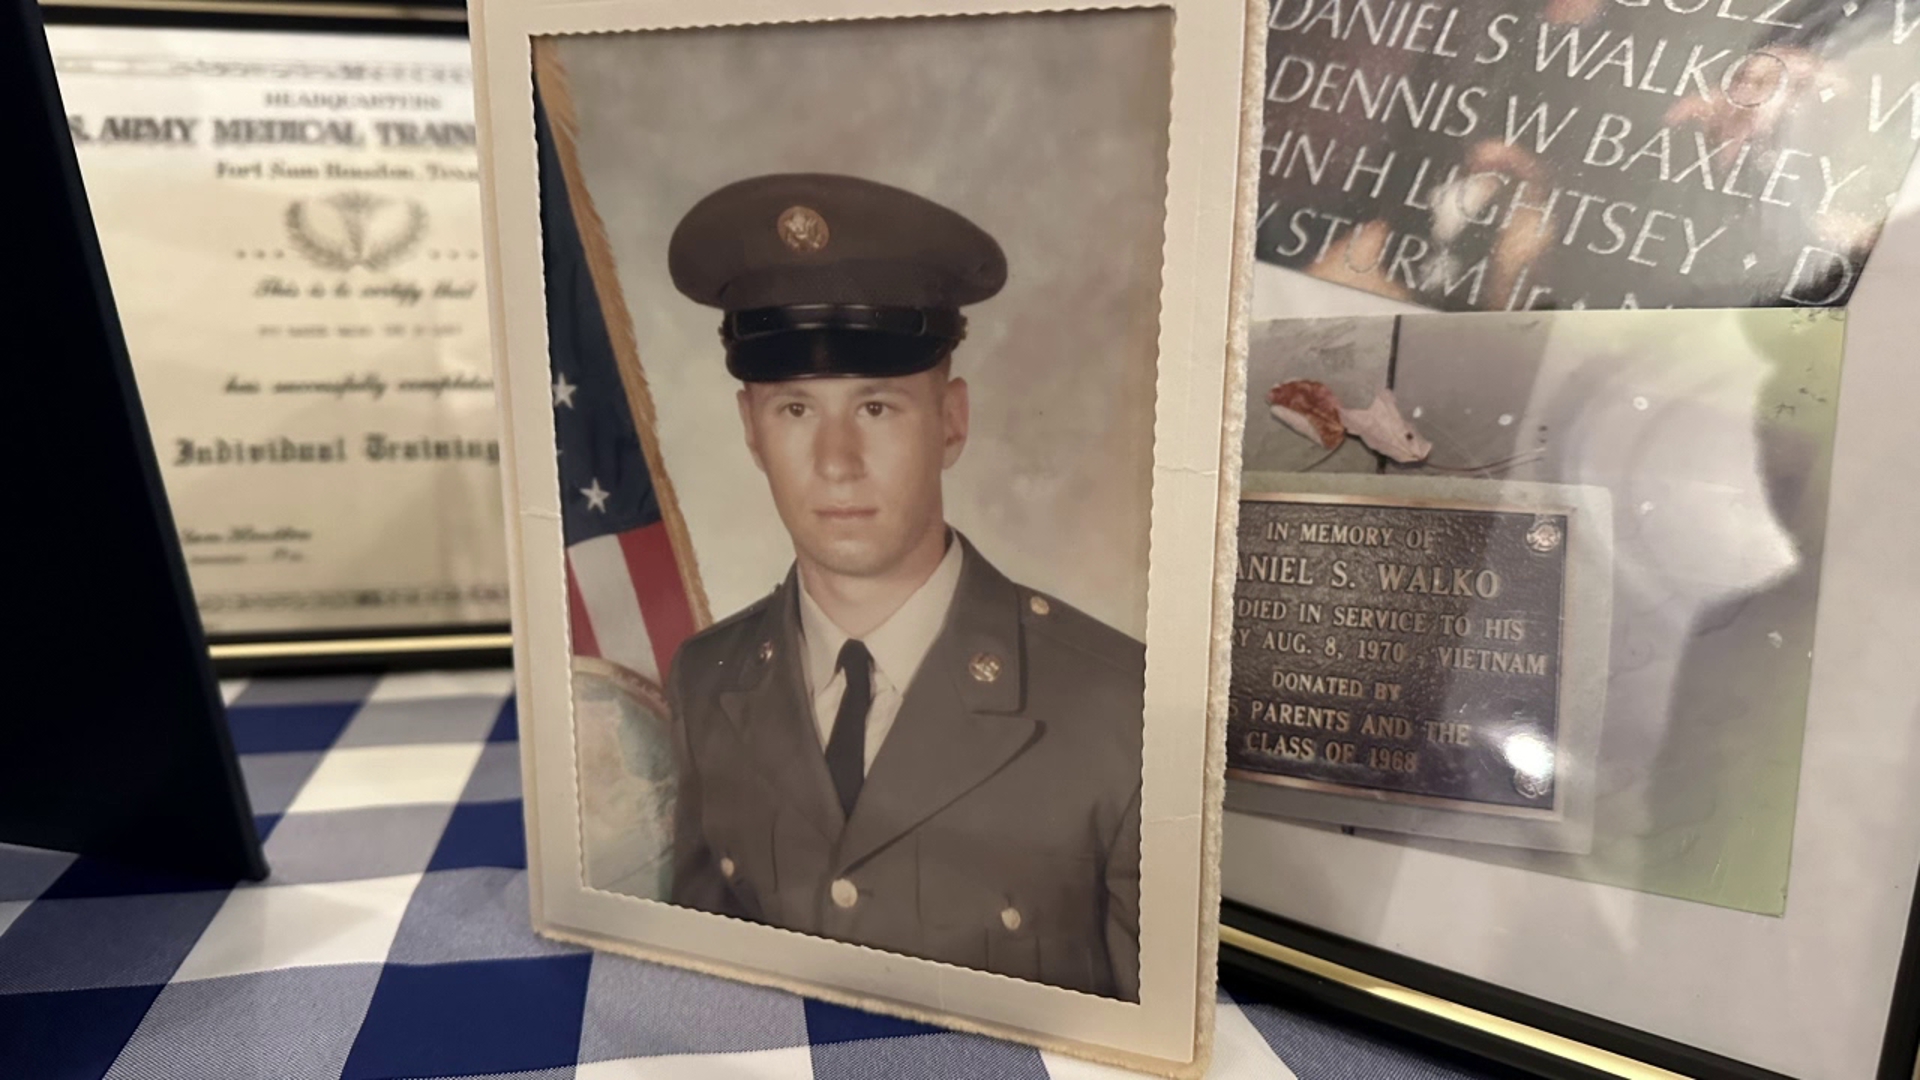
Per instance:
x=766, y=651
x=984, y=667
x=802, y=229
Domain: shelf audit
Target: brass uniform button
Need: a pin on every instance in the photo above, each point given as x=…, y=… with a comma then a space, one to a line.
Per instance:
x=1010, y=918
x=1039, y=605
x=984, y=667
x=727, y=868
x=766, y=651
x=845, y=895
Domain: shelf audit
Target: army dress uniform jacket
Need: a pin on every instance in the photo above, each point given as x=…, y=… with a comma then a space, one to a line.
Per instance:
x=998, y=827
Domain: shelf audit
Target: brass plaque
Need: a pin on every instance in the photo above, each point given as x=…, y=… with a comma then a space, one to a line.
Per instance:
x=1411, y=650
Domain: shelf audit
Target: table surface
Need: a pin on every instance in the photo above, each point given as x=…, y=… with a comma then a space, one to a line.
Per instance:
x=392, y=940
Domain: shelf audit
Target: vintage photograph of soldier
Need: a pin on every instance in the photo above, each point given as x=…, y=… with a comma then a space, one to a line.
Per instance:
x=857, y=482
x=868, y=380
x=858, y=750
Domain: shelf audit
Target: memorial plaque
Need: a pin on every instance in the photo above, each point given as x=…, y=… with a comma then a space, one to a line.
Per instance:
x=1404, y=643
x=1408, y=650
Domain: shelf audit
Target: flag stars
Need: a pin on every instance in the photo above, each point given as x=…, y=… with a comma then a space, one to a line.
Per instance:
x=563, y=391
x=596, y=496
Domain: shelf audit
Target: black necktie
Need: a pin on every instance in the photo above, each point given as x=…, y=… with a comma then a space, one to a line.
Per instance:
x=847, y=746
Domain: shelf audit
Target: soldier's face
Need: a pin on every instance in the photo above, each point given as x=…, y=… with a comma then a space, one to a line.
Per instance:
x=854, y=463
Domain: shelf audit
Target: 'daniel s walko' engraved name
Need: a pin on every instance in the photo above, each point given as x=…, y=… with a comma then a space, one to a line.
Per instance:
x=1396, y=647
x=1394, y=577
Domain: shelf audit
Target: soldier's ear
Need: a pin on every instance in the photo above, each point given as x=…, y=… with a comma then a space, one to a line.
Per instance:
x=744, y=401
x=955, y=413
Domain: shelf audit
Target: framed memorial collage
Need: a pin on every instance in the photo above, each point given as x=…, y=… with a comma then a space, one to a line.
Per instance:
x=1571, y=713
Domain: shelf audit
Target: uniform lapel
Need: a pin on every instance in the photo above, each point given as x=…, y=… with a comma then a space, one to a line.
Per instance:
x=768, y=705
x=960, y=721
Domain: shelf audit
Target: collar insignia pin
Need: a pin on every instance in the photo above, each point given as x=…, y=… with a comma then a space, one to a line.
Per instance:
x=984, y=667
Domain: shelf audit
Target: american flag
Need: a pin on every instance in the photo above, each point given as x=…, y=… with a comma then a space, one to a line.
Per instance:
x=626, y=599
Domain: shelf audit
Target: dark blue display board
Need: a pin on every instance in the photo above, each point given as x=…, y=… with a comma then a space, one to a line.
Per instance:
x=113, y=741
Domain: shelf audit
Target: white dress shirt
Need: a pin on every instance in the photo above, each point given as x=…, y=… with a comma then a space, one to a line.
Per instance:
x=897, y=645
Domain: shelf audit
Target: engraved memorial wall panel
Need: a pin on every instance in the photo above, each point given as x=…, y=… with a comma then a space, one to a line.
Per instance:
x=1510, y=155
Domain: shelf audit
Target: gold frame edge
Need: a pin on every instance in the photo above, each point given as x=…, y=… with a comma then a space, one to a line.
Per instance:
x=1499, y=1027
x=395, y=646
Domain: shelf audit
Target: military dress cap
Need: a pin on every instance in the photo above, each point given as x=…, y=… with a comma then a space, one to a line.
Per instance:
x=824, y=275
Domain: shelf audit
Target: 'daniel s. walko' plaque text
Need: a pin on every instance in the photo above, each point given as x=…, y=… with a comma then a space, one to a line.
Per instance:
x=1396, y=649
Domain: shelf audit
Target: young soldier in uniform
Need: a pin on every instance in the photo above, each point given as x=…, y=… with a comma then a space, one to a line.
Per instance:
x=898, y=747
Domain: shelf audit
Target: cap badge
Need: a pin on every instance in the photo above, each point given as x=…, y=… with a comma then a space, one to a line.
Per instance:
x=802, y=229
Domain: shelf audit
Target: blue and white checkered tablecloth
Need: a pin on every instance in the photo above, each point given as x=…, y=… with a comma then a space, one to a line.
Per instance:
x=393, y=941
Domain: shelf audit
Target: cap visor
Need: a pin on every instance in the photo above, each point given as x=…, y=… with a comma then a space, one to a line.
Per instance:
x=821, y=354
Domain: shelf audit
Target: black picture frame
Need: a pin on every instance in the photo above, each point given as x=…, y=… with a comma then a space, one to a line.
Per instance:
x=366, y=648
x=444, y=18
x=1284, y=959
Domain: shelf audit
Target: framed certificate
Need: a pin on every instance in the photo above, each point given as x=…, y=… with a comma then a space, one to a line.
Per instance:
x=288, y=201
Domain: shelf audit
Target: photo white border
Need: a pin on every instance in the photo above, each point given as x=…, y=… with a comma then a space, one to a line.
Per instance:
x=1207, y=231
